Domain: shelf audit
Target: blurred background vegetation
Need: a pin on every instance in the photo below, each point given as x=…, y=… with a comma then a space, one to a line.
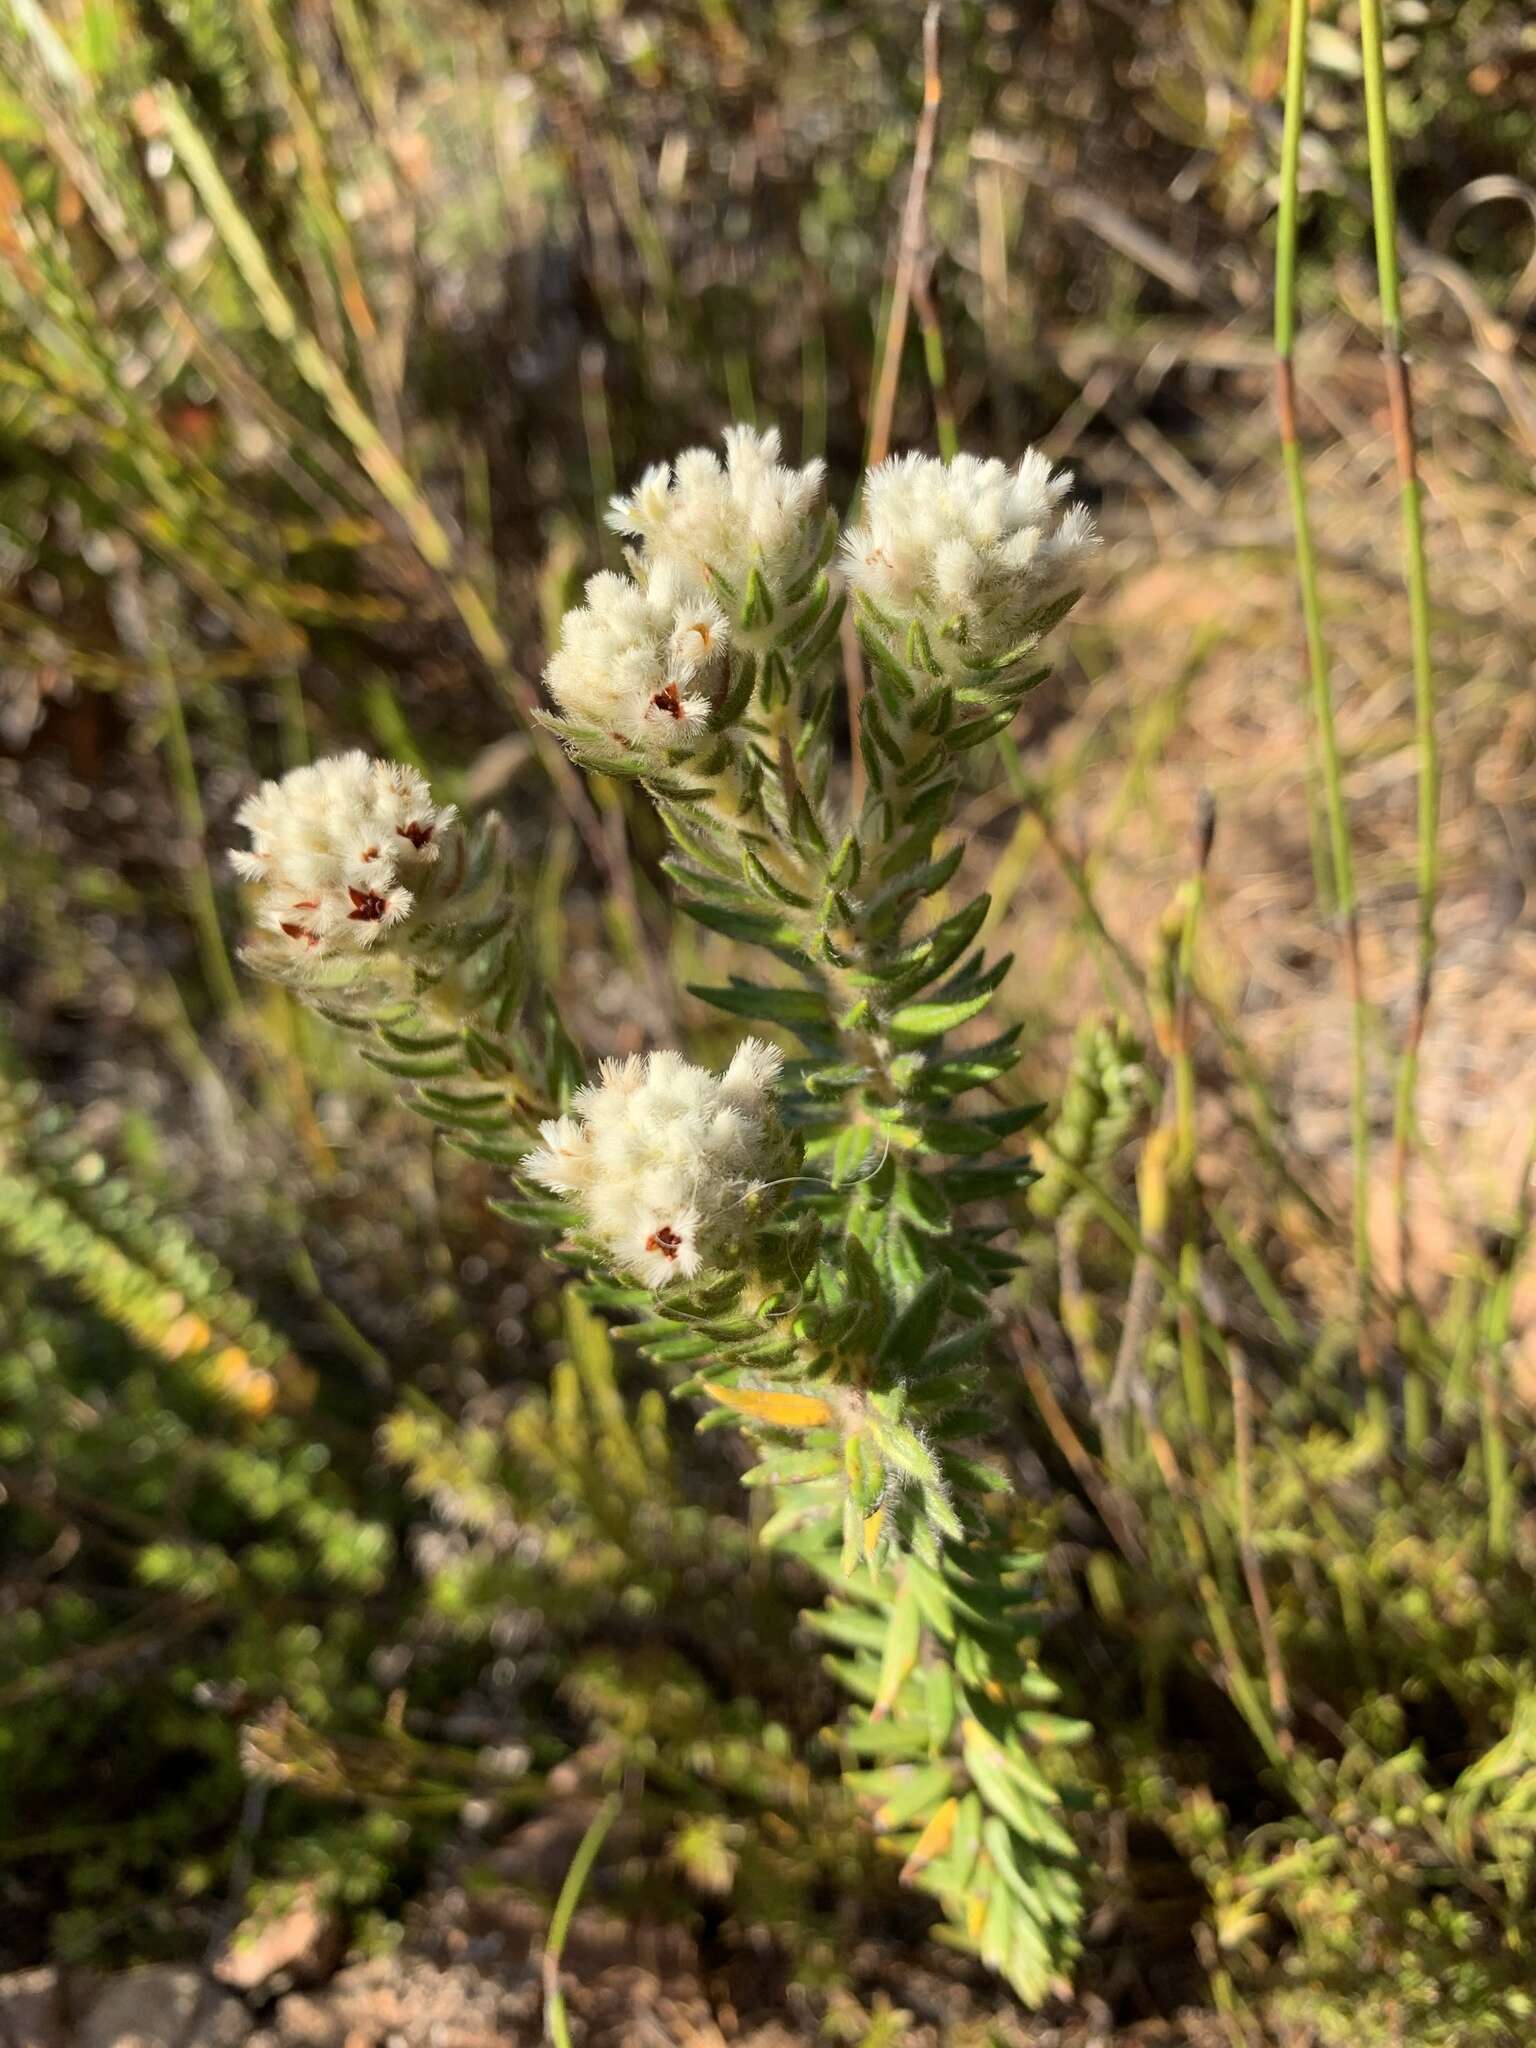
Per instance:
x=337, y=1553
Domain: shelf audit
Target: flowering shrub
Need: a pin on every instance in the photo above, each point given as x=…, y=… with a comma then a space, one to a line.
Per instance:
x=815, y=1240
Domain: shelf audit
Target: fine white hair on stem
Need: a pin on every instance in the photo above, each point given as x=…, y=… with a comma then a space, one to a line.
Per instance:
x=820, y=1180
x=662, y=1155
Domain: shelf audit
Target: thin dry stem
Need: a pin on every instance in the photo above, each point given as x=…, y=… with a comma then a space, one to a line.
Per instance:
x=1119, y=1514
x=1253, y=1570
x=909, y=250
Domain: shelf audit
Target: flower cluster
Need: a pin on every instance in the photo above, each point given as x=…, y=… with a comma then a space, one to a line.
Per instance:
x=335, y=849
x=637, y=661
x=663, y=1156
x=969, y=549
x=720, y=521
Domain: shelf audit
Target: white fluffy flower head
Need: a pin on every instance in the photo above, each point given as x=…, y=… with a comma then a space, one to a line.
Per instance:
x=638, y=661
x=336, y=849
x=715, y=519
x=662, y=1156
x=967, y=545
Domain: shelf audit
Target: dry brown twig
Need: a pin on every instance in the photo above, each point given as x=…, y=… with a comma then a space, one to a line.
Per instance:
x=1119, y=1513
x=909, y=250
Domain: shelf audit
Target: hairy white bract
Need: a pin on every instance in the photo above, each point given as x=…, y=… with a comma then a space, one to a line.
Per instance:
x=335, y=849
x=662, y=1156
x=969, y=548
x=720, y=520
x=637, y=661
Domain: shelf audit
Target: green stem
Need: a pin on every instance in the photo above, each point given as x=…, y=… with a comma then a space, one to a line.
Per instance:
x=217, y=970
x=556, y=2026
x=1139, y=1246
x=1416, y=572
x=1345, y=900
x=1186, y=1146
x=1494, y=1335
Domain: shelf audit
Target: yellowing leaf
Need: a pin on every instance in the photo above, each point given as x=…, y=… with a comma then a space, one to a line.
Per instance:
x=247, y=1385
x=933, y=1841
x=783, y=1411
x=1152, y=1179
x=188, y=1333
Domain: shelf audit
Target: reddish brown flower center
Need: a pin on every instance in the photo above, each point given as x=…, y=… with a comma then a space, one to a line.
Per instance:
x=668, y=700
x=299, y=931
x=417, y=834
x=368, y=906
x=666, y=1241
x=369, y=853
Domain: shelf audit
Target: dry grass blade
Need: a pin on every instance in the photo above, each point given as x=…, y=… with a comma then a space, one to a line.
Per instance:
x=909, y=247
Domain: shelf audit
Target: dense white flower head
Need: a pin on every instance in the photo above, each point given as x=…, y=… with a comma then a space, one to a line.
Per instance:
x=714, y=519
x=662, y=1156
x=638, y=661
x=968, y=544
x=335, y=851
